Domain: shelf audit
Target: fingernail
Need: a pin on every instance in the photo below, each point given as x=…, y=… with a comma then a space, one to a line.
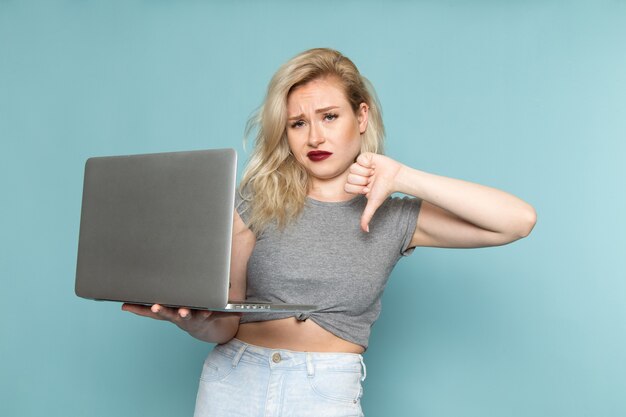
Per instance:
x=367, y=228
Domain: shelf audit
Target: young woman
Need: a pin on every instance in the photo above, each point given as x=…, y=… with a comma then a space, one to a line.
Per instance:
x=315, y=223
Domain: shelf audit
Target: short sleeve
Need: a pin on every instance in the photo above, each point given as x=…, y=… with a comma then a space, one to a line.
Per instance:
x=242, y=205
x=409, y=212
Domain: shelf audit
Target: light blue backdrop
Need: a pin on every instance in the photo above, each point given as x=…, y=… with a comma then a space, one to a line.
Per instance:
x=528, y=96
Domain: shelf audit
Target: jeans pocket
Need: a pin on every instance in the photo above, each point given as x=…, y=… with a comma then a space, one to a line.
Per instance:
x=338, y=386
x=216, y=368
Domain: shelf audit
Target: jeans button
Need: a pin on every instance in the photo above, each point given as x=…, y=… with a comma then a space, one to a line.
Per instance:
x=276, y=357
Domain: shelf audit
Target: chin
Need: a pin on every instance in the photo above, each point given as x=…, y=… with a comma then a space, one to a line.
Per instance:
x=325, y=174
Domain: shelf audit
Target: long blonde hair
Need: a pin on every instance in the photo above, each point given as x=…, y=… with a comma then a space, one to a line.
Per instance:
x=274, y=184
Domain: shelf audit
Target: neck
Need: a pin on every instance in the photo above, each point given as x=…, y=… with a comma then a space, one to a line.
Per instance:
x=329, y=190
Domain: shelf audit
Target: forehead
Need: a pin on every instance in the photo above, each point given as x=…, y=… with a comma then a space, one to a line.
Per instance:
x=319, y=93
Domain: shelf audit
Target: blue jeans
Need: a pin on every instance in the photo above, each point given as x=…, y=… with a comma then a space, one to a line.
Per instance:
x=242, y=380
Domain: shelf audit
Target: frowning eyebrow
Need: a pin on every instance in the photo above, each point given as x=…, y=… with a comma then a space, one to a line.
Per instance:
x=323, y=110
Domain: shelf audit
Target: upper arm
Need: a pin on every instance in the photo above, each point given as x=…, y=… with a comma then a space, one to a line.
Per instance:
x=242, y=246
x=438, y=227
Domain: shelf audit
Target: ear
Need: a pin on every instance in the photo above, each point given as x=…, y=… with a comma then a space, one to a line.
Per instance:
x=362, y=116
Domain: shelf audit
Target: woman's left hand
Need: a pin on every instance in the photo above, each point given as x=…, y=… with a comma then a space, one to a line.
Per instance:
x=375, y=176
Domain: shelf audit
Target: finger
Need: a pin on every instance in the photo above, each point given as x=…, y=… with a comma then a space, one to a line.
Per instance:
x=136, y=309
x=164, y=313
x=361, y=170
x=368, y=213
x=184, y=313
x=206, y=314
x=140, y=310
x=355, y=179
x=133, y=308
x=366, y=160
x=355, y=189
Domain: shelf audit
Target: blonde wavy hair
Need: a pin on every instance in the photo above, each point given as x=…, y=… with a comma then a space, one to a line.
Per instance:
x=274, y=184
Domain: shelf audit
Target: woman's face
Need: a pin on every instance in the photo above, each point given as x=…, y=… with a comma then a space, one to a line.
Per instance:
x=323, y=132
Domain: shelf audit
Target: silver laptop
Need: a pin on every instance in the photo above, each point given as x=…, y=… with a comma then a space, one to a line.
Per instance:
x=157, y=228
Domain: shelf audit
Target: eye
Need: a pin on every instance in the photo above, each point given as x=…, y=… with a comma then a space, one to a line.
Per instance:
x=330, y=116
x=297, y=124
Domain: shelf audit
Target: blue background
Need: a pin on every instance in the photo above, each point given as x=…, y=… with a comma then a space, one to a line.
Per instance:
x=527, y=96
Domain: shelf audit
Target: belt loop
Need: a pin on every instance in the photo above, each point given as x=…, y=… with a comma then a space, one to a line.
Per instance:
x=239, y=354
x=364, y=369
x=310, y=370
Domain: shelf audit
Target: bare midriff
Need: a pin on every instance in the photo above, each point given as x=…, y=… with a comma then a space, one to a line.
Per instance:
x=292, y=334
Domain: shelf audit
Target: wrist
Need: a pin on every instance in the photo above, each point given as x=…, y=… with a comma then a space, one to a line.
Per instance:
x=408, y=180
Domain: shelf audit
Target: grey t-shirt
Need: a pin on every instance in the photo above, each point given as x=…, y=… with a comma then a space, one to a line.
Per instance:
x=325, y=259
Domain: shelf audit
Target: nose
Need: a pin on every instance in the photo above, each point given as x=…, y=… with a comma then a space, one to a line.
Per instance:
x=316, y=136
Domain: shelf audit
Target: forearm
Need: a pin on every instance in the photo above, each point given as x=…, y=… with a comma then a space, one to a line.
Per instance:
x=488, y=208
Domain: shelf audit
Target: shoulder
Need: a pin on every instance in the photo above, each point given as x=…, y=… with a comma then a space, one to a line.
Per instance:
x=396, y=205
x=397, y=215
x=243, y=199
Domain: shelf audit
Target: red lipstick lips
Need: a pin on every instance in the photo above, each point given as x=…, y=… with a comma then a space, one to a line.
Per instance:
x=317, y=156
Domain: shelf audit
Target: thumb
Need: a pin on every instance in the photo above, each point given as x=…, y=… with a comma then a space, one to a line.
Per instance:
x=370, y=208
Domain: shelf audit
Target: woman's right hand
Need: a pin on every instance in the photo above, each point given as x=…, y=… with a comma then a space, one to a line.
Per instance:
x=210, y=326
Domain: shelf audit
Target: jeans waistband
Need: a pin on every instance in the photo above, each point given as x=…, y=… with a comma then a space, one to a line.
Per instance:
x=240, y=351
